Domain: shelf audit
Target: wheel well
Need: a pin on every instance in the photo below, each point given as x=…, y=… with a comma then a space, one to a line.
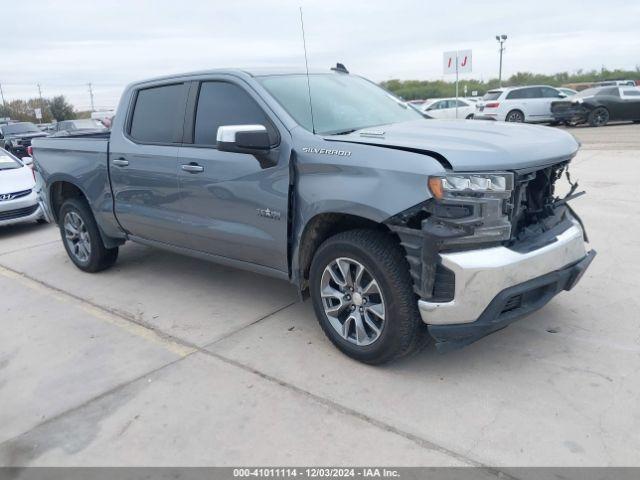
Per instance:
x=323, y=226
x=61, y=191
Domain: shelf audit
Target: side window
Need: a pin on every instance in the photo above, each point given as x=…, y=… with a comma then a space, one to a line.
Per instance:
x=632, y=93
x=158, y=114
x=516, y=94
x=550, y=92
x=223, y=103
x=534, y=92
x=437, y=105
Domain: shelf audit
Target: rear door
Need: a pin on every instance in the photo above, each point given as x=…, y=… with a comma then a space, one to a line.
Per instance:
x=143, y=163
x=630, y=103
x=233, y=204
x=536, y=105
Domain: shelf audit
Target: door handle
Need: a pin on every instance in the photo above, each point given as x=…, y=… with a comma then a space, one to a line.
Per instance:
x=192, y=168
x=120, y=162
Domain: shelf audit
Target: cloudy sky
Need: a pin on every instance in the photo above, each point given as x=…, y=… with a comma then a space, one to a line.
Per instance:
x=65, y=44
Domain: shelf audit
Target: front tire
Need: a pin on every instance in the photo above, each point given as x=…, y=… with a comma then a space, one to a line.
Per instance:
x=599, y=117
x=363, y=296
x=81, y=237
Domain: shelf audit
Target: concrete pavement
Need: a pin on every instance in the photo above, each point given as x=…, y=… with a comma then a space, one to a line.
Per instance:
x=165, y=360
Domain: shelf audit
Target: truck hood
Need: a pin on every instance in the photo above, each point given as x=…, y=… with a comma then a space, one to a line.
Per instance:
x=472, y=145
x=25, y=135
x=16, y=180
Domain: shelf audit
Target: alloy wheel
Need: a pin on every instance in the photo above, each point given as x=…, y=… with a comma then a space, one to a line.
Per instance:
x=77, y=237
x=352, y=301
x=516, y=117
x=600, y=117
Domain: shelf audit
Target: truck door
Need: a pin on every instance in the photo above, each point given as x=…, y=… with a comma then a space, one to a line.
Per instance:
x=143, y=164
x=233, y=206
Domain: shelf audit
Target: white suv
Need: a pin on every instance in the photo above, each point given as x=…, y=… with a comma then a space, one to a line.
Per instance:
x=518, y=104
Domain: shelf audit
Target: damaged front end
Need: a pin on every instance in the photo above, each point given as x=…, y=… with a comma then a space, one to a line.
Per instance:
x=482, y=235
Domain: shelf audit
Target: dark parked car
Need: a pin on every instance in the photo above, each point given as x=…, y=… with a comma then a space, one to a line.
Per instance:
x=597, y=106
x=17, y=137
x=68, y=127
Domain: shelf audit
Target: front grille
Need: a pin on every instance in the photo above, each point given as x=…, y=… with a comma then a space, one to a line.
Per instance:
x=512, y=303
x=14, y=195
x=532, y=197
x=560, y=107
x=444, y=285
x=21, y=212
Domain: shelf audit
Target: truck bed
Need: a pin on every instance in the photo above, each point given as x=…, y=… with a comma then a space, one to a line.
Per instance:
x=59, y=160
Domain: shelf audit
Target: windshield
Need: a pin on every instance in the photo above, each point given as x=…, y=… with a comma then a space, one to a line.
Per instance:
x=7, y=162
x=341, y=103
x=23, y=127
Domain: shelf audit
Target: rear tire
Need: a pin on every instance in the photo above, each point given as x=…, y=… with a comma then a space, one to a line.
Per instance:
x=81, y=237
x=599, y=117
x=399, y=331
x=514, y=116
x=469, y=117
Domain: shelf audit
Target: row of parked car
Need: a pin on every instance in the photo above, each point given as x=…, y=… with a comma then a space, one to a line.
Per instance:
x=19, y=199
x=596, y=106
x=16, y=137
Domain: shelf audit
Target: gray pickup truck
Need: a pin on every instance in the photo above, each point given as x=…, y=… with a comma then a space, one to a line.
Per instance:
x=397, y=227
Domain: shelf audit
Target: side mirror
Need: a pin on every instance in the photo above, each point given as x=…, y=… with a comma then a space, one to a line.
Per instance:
x=251, y=139
x=28, y=161
x=562, y=95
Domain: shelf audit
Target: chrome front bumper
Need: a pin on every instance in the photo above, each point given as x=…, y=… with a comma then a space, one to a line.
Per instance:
x=18, y=205
x=480, y=275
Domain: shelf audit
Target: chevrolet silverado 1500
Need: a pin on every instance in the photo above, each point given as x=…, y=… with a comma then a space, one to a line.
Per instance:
x=396, y=226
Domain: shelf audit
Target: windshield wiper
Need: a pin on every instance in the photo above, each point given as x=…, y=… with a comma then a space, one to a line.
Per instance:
x=344, y=132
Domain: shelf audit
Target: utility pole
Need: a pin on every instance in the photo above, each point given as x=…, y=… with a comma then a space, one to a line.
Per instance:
x=501, y=39
x=91, y=97
x=4, y=104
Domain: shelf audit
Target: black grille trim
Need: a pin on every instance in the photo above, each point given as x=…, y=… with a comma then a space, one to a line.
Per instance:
x=22, y=193
x=444, y=284
x=21, y=212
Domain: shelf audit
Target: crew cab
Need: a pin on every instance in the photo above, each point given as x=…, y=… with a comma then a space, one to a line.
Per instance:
x=396, y=226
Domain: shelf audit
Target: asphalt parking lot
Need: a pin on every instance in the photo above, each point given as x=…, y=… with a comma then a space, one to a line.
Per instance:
x=166, y=360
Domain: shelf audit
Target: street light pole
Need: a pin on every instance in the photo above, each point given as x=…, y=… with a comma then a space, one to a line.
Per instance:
x=501, y=39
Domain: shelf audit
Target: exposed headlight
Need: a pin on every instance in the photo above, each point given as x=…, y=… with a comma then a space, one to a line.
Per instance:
x=15, y=143
x=457, y=183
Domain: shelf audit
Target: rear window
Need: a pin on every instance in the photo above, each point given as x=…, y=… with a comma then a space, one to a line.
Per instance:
x=492, y=95
x=158, y=114
x=631, y=92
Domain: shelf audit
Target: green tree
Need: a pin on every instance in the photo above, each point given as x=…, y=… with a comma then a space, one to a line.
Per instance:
x=422, y=89
x=61, y=109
